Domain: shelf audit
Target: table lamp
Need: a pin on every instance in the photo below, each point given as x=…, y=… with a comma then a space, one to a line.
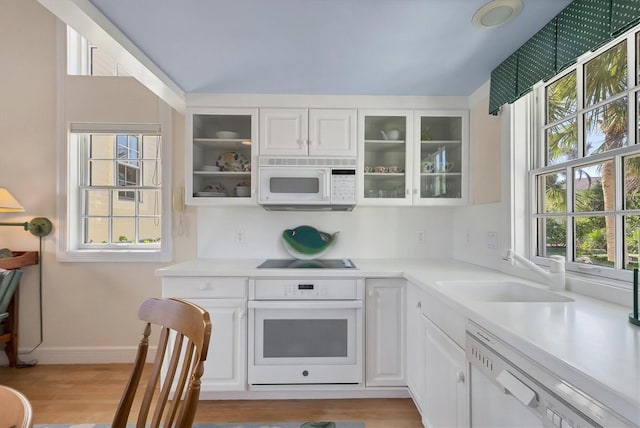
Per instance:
x=38, y=226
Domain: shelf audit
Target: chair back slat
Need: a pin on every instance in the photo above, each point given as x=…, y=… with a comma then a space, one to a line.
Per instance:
x=154, y=379
x=177, y=368
x=169, y=379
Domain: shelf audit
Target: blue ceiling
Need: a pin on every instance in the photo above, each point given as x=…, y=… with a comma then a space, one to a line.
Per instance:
x=329, y=47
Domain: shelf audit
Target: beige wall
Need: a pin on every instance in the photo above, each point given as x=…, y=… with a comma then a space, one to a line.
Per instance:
x=486, y=155
x=90, y=309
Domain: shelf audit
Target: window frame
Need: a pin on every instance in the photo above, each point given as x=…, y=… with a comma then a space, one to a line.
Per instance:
x=71, y=247
x=538, y=167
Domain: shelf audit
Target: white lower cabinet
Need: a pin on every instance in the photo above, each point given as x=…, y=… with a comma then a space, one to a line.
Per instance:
x=225, y=368
x=416, y=351
x=385, y=332
x=437, y=370
x=445, y=398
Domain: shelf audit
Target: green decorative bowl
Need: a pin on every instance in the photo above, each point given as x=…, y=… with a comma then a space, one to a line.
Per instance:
x=306, y=242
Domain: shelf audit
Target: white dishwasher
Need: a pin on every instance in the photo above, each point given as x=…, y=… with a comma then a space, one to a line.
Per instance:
x=510, y=390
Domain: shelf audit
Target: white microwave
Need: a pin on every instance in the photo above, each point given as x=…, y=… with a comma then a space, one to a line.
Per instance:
x=307, y=183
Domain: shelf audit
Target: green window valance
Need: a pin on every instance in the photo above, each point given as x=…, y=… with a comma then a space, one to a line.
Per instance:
x=582, y=26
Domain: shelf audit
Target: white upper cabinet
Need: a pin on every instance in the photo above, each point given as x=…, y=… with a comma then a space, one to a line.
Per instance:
x=308, y=132
x=440, y=171
x=220, y=155
x=386, y=149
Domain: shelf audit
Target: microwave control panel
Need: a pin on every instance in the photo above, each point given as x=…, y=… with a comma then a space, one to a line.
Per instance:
x=343, y=186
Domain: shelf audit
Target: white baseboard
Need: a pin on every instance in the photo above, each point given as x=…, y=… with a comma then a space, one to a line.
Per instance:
x=79, y=355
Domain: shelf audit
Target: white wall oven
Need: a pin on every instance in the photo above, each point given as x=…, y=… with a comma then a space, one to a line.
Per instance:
x=306, y=331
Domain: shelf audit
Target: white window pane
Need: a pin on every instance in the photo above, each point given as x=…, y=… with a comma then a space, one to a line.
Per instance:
x=594, y=187
x=97, y=203
x=150, y=230
x=606, y=127
x=552, y=236
x=562, y=142
x=553, y=195
x=123, y=230
x=595, y=240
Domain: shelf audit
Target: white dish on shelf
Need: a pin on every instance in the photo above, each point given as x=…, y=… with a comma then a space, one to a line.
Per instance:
x=210, y=194
x=226, y=134
x=210, y=168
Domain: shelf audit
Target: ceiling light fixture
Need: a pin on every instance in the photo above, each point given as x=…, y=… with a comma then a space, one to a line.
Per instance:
x=496, y=13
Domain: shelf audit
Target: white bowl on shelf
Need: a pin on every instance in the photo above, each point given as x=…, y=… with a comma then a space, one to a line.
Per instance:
x=226, y=134
x=210, y=168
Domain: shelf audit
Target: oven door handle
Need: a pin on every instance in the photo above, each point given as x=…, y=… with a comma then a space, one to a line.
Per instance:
x=304, y=304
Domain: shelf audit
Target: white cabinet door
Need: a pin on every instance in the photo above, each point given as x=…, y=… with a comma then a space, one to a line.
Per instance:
x=332, y=132
x=225, y=366
x=416, y=336
x=283, y=132
x=385, y=161
x=385, y=335
x=220, y=157
x=440, y=159
x=308, y=132
x=445, y=401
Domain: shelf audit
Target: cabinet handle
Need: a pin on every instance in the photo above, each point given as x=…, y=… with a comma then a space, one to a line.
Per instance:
x=242, y=314
x=459, y=376
x=415, y=191
x=407, y=191
x=371, y=293
x=418, y=305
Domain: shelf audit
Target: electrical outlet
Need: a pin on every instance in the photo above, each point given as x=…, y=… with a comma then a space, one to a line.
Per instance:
x=420, y=236
x=492, y=240
x=240, y=236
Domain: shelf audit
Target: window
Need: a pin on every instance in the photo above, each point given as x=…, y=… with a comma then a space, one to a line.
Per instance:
x=586, y=172
x=115, y=190
x=86, y=59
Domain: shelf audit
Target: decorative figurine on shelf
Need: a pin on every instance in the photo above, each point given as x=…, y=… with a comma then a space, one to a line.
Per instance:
x=306, y=242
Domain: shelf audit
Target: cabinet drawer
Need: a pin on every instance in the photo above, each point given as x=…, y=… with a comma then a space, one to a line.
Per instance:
x=446, y=318
x=205, y=286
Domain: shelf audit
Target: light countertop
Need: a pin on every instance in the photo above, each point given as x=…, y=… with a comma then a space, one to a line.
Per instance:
x=587, y=342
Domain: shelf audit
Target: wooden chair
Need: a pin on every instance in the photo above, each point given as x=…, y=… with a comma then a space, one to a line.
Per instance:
x=185, y=330
x=15, y=410
x=9, y=280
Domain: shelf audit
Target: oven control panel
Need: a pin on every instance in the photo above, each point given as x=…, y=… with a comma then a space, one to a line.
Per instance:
x=306, y=289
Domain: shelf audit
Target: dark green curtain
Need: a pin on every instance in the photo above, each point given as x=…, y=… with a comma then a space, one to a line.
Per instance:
x=582, y=26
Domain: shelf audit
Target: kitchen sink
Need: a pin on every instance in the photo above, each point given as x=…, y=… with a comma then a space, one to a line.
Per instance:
x=498, y=291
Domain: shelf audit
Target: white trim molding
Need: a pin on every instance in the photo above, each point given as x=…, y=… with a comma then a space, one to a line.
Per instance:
x=81, y=355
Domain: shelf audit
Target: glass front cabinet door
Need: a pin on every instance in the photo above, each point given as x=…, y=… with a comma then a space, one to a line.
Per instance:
x=220, y=156
x=385, y=157
x=440, y=159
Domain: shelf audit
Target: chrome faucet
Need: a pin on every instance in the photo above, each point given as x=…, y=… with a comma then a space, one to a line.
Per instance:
x=555, y=275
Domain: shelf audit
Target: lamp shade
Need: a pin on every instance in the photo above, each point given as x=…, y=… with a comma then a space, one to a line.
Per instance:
x=9, y=204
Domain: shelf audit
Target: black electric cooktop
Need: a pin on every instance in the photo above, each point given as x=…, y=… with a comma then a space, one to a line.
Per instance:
x=307, y=264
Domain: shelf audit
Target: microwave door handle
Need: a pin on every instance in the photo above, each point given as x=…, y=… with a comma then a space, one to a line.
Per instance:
x=325, y=180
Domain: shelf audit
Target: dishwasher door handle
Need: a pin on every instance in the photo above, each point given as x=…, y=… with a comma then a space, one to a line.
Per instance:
x=515, y=387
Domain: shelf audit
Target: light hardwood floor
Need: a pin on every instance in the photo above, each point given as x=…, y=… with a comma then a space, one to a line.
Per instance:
x=90, y=393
